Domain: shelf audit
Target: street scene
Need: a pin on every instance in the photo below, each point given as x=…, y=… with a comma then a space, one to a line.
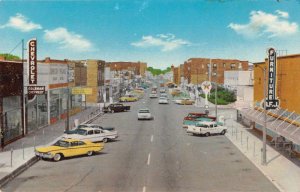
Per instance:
x=121, y=96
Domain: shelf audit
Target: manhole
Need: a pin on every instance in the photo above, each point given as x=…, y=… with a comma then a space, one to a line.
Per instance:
x=227, y=147
x=231, y=153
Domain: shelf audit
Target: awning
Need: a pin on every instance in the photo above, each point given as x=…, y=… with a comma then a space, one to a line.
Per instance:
x=289, y=130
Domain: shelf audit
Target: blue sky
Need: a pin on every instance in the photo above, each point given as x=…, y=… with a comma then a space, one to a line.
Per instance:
x=160, y=33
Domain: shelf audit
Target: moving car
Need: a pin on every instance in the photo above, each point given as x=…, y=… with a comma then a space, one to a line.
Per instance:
x=206, y=128
x=92, y=134
x=128, y=98
x=116, y=107
x=68, y=148
x=153, y=94
x=164, y=95
x=144, y=114
x=163, y=100
x=162, y=90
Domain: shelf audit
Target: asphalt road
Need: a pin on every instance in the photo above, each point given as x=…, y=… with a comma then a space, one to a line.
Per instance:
x=154, y=156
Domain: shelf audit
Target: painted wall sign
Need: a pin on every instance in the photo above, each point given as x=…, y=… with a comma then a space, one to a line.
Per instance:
x=272, y=102
x=32, y=61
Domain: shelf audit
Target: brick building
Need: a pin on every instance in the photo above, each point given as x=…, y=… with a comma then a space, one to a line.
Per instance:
x=197, y=70
x=128, y=68
x=176, y=74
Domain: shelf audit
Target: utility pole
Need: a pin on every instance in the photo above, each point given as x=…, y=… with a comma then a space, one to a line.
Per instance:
x=265, y=122
x=216, y=92
x=23, y=91
x=68, y=102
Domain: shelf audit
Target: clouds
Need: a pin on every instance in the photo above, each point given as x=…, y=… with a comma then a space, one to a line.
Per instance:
x=271, y=25
x=166, y=42
x=22, y=23
x=67, y=39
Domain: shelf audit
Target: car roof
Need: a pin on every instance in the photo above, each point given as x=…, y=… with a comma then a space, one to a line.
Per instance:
x=69, y=139
x=144, y=109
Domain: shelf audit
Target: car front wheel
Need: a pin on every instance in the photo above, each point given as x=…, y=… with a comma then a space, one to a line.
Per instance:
x=90, y=153
x=207, y=134
x=105, y=140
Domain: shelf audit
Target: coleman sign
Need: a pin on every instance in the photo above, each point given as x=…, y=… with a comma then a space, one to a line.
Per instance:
x=36, y=90
x=272, y=102
x=32, y=62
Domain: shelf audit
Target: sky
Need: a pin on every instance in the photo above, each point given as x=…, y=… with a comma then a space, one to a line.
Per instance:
x=159, y=32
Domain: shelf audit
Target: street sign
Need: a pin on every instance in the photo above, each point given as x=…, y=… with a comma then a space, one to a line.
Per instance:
x=82, y=91
x=35, y=90
x=272, y=102
x=206, y=87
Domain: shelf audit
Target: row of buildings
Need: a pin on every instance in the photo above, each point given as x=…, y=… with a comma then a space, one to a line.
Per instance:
x=82, y=82
x=248, y=80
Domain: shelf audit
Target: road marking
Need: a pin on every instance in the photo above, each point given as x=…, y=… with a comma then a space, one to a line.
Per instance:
x=149, y=156
x=144, y=189
x=151, y=138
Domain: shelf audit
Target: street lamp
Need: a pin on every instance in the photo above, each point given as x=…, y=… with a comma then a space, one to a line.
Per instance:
x=264, y=148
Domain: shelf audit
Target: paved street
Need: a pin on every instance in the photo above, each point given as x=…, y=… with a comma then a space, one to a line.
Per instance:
x=154, y=156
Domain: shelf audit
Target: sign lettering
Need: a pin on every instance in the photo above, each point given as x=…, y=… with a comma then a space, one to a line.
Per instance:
x=32, y=62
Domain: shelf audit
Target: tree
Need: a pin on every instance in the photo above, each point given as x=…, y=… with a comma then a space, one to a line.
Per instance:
x=9, y=57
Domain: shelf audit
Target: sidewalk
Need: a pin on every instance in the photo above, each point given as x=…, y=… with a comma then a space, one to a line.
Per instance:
x=282, y=172
x=19, y=155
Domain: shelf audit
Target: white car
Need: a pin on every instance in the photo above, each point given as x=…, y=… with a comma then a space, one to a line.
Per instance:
x=162, y=90
x=144, y=114
x=164, y=95
x=92, y=134
x=153, y=95
x=163, y=100
x=206, y=128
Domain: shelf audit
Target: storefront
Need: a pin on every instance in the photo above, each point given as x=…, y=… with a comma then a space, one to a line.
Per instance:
x=11, y=102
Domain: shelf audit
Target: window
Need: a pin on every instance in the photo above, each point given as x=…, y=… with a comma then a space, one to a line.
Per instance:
x=91, y=132
x=211, y=126
x=97, y=131
x=74, y=143
x=80, y=143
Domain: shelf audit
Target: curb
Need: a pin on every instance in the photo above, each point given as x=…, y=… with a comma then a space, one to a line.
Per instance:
x=18, y=171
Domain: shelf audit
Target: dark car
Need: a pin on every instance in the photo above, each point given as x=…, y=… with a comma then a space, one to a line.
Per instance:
x=117, y=107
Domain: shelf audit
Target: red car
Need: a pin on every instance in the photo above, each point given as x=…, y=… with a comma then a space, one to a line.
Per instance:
x=192, y=116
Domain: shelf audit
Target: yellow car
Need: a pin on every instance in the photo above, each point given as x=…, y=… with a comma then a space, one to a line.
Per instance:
x=128, y=98
x=68, y=148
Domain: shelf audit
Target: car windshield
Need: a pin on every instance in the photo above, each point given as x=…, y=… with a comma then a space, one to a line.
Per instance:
x=144, y=111
x=62, y=143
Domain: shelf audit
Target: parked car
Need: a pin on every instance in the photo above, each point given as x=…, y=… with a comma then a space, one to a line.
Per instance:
x=92, y=134
x=144, y=114
x=95, y=126
x=193, y=118
x=128, y=98
x=206, y=128
x=163, y=100
x=186, y=102
x=68, y=148
x=116, y=107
